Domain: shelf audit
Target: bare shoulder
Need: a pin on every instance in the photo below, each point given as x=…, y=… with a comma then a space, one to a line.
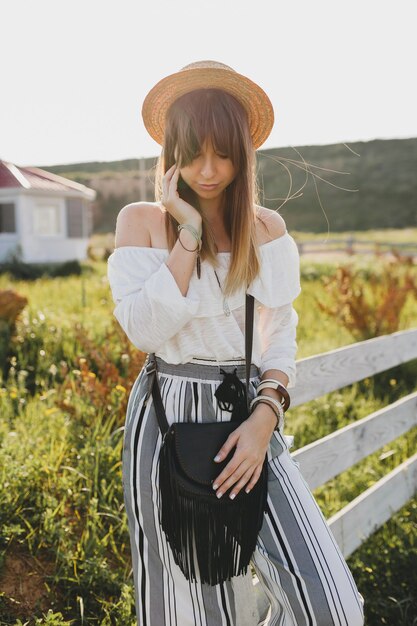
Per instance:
x=271, y=225
x=135, y=222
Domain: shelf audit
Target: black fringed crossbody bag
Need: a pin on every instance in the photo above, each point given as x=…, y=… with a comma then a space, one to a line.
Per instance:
x=212, y=539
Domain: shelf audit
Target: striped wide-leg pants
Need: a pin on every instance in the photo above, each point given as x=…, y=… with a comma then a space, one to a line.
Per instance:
x=297, y=561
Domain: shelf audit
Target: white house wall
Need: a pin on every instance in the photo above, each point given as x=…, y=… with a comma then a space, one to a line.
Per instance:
x=32, y=248
x=48, y=248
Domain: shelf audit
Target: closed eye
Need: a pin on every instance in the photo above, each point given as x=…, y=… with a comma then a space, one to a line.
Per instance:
x=222, y=156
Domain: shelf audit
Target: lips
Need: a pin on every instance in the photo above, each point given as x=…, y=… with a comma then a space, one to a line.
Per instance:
x=208, y=186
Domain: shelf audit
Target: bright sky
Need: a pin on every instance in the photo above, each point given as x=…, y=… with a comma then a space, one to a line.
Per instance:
x=75, y=72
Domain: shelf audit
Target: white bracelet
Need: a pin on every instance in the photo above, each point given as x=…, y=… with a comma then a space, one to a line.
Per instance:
x=279, y=410
x=271, y=383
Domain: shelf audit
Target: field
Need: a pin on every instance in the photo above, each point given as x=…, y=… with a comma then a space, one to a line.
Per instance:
x=66, y=376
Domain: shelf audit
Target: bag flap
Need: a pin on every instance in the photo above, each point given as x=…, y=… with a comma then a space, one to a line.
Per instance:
x=196, y=446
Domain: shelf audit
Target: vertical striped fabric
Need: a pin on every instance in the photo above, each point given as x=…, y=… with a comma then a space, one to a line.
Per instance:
x=297, y=560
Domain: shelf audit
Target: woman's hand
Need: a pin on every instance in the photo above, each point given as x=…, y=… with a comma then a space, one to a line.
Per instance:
x=179, y=209
x=251, y=440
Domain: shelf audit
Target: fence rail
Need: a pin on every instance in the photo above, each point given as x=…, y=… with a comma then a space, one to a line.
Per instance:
x=365, y=514
x=351, y=245
x=326, y=458
x=329, y=371
x=322, y=460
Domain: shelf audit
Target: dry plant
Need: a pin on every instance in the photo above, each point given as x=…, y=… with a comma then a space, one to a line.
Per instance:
x=11, y=305
x=372, y=307
x=106, y=381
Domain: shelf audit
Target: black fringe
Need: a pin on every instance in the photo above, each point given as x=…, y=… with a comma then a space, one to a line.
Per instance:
x=212, y=539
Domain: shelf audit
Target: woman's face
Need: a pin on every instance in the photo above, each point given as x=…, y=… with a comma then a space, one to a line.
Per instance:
x=209, y=173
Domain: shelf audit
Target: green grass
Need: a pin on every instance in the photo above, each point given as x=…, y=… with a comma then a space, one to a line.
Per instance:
x=63, y=530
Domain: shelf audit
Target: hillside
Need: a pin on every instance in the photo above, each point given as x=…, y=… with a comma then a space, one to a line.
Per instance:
x=373, y=185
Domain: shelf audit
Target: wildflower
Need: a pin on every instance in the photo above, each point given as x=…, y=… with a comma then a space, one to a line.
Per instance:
x=53, y=369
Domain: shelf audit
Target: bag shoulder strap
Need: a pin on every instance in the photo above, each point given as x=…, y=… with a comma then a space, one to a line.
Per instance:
x=150, y=366
x=249, y=316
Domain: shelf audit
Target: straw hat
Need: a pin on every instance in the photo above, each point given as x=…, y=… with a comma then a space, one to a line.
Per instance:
x=208, y=74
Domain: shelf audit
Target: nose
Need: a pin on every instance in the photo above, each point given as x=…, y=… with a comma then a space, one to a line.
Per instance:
x=208, y=167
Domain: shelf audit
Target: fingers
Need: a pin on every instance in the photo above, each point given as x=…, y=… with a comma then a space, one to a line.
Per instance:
x=228, y=446
x=171, y=170
x=245, y=466
x=243, y=476
x=241, y=483
x=249, y=479
x=171, y=173
x=230, y=475
x=255, y=477
x=166, y=179
x=168, y=174
x=169, y=182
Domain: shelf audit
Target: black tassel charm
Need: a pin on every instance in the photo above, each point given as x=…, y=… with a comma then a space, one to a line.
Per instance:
x=231, y=396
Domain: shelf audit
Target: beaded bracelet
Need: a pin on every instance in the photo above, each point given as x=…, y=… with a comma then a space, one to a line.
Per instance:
x=274, y=404
x=279, y=420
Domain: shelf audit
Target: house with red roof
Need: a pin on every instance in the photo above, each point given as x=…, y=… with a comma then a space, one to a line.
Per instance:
x=43, y=217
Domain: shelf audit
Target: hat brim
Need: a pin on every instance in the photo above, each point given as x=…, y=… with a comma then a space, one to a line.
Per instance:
x=255, y=101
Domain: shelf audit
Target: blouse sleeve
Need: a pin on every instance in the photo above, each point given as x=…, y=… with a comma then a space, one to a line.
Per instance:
x=278, y=340
x=276, y=288
x=149, y=304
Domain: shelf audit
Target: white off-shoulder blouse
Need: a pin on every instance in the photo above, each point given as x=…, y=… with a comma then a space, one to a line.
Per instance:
x=156, y=317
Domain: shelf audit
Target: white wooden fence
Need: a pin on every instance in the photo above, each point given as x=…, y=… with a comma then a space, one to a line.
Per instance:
x=325, y=458
x=351, y=245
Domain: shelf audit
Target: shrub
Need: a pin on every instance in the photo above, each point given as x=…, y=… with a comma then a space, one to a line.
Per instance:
x=372, y=308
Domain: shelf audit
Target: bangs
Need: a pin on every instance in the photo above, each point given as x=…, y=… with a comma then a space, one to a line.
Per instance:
x=207, y=114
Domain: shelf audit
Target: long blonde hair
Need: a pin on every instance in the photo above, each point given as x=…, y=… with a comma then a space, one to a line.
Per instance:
x=216, y=115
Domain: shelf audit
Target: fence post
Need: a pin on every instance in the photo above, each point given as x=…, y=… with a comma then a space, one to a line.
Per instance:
x=349, y=245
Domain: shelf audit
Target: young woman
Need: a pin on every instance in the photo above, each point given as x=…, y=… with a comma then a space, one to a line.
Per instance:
x=181, y=295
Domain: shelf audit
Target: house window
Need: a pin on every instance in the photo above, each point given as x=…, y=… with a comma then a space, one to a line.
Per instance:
x=7, y=217
x=46, y=220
